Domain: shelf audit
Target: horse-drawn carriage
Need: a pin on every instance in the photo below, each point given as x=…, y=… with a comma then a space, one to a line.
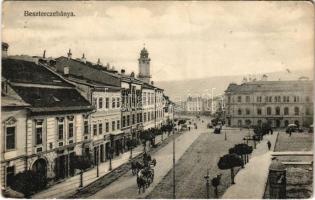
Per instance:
x=144, y=171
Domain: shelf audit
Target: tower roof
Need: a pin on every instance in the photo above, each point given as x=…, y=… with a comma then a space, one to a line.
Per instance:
x=144, y=53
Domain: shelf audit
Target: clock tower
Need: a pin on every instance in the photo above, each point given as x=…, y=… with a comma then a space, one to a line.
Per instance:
x=144, y=66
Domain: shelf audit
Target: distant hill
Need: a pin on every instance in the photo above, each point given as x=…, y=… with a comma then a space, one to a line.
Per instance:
x=179, y=90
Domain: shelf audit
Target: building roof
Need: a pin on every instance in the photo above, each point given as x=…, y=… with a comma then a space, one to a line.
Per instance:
x=52, y=99
x=41, y=88
x=22, y=71
x=88, y=71
x=262, y=86
x=7, y=101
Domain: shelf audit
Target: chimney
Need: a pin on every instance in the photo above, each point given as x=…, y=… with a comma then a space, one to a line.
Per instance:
x=99, y=62
x=5, y=47
x=122, y=71
x=107, y=66
x=83, y=59
x=44, y=54
x=152, y=83
x=69, y=54
x=66, y=71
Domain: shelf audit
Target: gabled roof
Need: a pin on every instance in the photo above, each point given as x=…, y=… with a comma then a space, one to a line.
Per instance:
x=29, y=72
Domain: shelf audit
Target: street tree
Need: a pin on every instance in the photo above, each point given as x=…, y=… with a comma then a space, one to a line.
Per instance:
x=82, y=163
x=28, y=182
x=215, y=183
x=229, y=161
x=243, y=150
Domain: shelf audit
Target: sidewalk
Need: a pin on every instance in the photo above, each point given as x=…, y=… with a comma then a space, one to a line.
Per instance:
x=72, y=184
x=250, y=182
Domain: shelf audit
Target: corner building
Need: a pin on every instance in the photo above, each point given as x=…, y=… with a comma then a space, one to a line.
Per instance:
x=277, y=102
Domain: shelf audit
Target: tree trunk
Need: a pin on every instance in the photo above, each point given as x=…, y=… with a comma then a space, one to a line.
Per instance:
x=232, y=175
x=243, y=161
x=216, y=191
x=81, y=179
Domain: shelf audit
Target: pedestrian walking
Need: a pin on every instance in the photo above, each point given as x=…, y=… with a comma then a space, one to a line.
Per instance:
x=269, y=145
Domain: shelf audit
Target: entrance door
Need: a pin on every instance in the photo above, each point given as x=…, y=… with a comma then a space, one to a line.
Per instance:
x=286, y=123
x=107, y=146
x=102, y=153
x=40, y=167
x=96, y=155
x=117, y=147
x=60, y=167
x=71, y=164
x=278, y=123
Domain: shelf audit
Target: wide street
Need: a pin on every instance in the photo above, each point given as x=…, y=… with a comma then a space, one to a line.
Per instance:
x=196, y=151
x=202, y=155
x=126, y=187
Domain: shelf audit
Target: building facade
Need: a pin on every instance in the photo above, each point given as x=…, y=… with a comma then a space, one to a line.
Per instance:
x=276, y=102
x=53, y=131
x=102, y=90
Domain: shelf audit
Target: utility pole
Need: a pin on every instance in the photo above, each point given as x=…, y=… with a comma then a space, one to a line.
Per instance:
x=207, y=184
x=174, y=194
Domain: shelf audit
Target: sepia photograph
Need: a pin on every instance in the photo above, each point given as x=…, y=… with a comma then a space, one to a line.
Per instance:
x=157, y=99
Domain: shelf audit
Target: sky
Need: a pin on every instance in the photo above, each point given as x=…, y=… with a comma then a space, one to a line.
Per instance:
x=185, y=40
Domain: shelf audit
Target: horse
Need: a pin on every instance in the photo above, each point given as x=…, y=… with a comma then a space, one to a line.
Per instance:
x=148, y=173
x=135, y=167
x=141, y=182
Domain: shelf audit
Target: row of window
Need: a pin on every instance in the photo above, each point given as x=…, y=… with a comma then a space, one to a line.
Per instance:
x=98, y=128
x=269, y=99
x=277, y=111
x=101, y=102
x=65, y=127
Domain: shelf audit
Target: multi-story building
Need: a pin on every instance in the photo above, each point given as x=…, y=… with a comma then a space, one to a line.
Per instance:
x=102, y=89
x=54, y=128
x=13, y=134
x=194, y=105
x=159, y=107
x=277, y=102
x=131, y=112
x=148, y=105
x=169, y=108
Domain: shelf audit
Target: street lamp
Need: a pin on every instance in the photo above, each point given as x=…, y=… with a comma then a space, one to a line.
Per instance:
x=97, y=157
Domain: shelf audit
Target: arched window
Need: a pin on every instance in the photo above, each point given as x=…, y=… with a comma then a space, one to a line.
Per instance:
x=248, y=122
x=296, y=111
x=239, y=112
x=307, y=111
x=286, y=111
x=239, y=123
x=258, y=111
x=247, y=111
x=268, y=111
x=277, y=110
